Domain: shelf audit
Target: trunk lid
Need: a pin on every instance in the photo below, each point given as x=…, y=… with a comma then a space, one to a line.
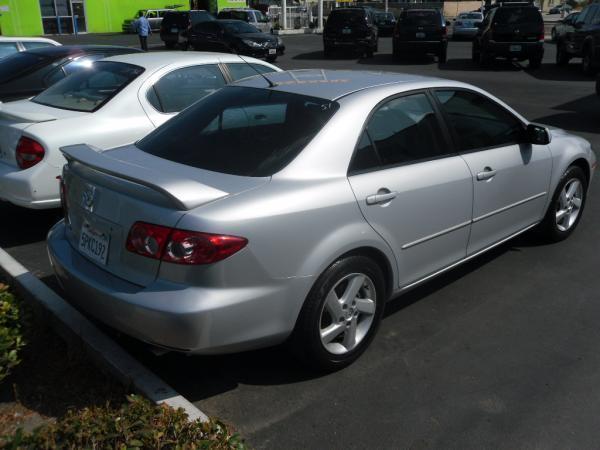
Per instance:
x=108, y=192
x=15, y=117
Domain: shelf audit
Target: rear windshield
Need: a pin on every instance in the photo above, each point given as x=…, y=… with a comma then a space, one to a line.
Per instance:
x=19, y=64
x=241, y=131
x=472, y=16
x=515, y=15
x=348, y=16
x=200, y=16
x=421, y=18
x=88, y=90
x=176, y=18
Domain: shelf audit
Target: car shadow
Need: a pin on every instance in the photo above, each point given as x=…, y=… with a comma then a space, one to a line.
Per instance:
x=387, y=59
x=466, y=64
x=581, y=115
x=318, y=55
x=21, y=226
x=552, y=72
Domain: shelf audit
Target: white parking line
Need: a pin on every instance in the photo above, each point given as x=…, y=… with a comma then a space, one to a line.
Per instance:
x=73, y=326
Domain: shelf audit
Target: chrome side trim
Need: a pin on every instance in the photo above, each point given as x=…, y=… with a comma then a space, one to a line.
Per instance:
x=438, y=234
x=505, y=208
x=457, y=263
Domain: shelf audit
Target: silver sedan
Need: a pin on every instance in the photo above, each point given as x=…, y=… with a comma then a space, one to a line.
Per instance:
x=466, y=25
x=292, y=206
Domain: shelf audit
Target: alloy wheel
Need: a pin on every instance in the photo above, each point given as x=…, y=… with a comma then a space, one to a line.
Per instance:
x=569, y=204
x=348, y=313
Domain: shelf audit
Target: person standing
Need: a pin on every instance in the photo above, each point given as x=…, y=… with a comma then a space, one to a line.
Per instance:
x=144, y=30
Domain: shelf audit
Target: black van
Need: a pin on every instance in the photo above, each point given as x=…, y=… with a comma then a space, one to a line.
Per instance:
x=350, y=28
x=514, y=31
x=176, y=24
x=421, y=31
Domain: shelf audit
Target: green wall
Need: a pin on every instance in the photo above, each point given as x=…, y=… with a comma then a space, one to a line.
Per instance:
x=23, y=18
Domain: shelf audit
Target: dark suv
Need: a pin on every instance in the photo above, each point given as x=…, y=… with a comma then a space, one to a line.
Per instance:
x=421, y=31
x=350, y=28
x=514, y=31
x=582, y=40
x=175, y=26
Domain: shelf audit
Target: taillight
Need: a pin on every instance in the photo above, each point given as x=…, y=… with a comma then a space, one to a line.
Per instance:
x=63, y=198
x=542, y=35
x=181, y=246
x=29, y=152
x=444, y=31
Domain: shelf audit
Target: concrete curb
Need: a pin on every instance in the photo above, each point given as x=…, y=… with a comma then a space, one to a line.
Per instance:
x=77, y=329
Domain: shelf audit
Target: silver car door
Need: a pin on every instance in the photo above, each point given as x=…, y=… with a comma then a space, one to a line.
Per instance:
x=411, y=187
x=510, y=178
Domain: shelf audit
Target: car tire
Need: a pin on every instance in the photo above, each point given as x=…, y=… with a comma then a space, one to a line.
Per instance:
x=475, y=53
x=369, y=53
x=271, y=59
x=355, y=322
x=553, y=229
x=562, y=57
x=443, y=55
x=484, y=59
x=170, y=45
x=327, y=51
x=535, y=62
x=553, y=35
x=598, y=85
x=587, y=62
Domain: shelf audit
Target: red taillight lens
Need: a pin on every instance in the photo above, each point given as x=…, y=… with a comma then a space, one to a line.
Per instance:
x=189, y=247
x=148, y=240
x=29, y=152
x=180, y=246
x=444, y=31
x=542, y=35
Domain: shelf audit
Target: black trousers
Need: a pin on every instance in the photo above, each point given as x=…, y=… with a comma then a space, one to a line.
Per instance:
x=144, y=43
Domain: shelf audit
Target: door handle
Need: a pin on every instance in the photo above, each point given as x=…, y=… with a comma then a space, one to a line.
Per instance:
x=383, y=197
x=486, y=174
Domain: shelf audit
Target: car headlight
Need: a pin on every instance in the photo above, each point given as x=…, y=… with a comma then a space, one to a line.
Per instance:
x=250, y=43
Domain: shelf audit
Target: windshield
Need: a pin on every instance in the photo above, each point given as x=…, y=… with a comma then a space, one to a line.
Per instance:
x=240, y=28
x=19, y=64
x=89, y=89
x=421, y=18
x=241, y=131
x=513, y=15
x=348, y=16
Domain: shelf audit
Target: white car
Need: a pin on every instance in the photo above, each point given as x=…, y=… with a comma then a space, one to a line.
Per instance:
x=115, y=102
x=10, y=45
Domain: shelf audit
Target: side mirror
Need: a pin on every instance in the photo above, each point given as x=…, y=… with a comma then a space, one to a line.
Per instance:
x=537, y=134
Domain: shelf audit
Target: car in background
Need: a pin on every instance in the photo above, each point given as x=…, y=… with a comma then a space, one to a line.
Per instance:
x=583, y=42
x=254, y=17
x=154, y=16
x=112, y=102
x=466, y=25
x=176, y=25
x=563, y=26
x=28, y=73
x=353, y=29
x=235, y=36
x=514, y=31
x=422, y=31
x=560, y=9
x=293, y=210
x=11, y=45
x=386, y=22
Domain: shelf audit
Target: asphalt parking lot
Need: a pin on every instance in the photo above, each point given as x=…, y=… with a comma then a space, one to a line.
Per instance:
x=499, y=353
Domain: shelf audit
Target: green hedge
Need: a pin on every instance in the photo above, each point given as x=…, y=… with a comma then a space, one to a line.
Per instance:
x=11, y=339
x=138, y=424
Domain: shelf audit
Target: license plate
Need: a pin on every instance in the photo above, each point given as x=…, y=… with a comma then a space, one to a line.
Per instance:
x=94, y=244
x=515, y=48
x=174, y=30
x=272, y=51
x=346, y=31
x=420, y=35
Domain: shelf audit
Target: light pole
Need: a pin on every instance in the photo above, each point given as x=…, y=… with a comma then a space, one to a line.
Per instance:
x=284, y=14
x=320, y=18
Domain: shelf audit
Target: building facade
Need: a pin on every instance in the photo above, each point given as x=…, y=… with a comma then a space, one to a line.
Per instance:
x=39, y=17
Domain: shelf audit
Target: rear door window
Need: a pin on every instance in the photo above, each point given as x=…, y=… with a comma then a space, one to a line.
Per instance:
x=179, y=89
x=241, y=70
x=30, y=45
x=8, y=48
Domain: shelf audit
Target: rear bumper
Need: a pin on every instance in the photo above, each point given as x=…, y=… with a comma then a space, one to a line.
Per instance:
x=509, y=49
x=419, y=46
x=35, y=188
x=337, y=43
x=174, y=316
x=465, y=32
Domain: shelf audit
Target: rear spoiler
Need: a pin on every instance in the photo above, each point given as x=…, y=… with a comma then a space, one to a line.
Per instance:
x=186, y=194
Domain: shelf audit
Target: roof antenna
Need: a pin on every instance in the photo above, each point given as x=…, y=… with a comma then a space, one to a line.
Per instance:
x=271, y=84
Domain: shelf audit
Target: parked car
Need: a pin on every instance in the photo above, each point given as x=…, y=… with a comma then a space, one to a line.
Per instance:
x=583, y=41
x=563, y=26
x=351, y=29
x=113, y=102
x=560, y=9
x=293, y=210
x=11, y=45
x=252, y=16
x=154, y=16
x=28, y=73
x=512, y=31
x=386, y=22
x=466, y=25
x=236, y=36
x=421, y=31
x=176, y=25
